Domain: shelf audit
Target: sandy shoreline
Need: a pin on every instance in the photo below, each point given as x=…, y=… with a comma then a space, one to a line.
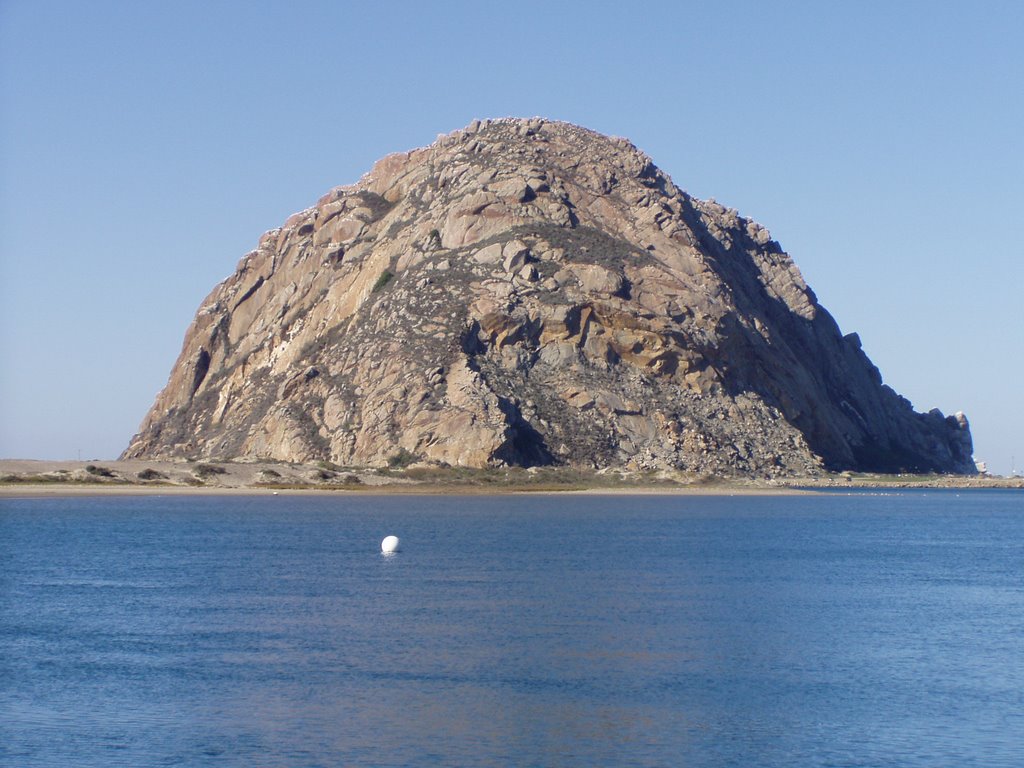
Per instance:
x=44, y=490
x=34, y=478
x=26, y=478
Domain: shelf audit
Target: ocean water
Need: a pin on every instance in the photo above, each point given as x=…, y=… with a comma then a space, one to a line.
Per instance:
x=535, y=630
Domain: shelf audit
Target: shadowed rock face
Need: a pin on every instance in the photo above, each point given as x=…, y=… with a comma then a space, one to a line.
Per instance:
x=529, y=292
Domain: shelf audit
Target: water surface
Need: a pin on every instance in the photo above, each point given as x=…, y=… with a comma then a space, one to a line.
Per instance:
x=549, y=630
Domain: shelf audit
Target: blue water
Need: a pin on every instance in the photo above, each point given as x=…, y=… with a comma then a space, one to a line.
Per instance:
x=845, y=630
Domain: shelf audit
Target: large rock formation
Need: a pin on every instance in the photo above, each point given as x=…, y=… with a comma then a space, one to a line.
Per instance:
x=530, y=292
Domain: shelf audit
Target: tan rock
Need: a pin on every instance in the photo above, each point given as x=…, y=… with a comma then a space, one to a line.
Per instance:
x=490, y=254
x=595, y=279
x=585, y=310
x=515, y=254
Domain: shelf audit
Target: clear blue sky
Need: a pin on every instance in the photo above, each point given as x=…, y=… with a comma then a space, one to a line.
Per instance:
x=144, y=147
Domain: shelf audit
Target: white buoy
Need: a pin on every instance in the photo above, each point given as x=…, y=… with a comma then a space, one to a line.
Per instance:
x=389, y=545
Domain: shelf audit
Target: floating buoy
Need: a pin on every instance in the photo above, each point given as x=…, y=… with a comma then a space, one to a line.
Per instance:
x=389, y=545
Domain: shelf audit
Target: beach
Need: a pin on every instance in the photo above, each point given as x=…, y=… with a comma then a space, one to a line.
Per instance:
x=23, y=477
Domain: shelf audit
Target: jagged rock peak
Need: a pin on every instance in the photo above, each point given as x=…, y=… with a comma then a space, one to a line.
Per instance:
x=527, y=292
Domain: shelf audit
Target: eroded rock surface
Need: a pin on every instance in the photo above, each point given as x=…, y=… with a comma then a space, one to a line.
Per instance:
x=530, y=292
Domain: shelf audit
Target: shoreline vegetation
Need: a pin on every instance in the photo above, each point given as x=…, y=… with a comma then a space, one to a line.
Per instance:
x=57, y=478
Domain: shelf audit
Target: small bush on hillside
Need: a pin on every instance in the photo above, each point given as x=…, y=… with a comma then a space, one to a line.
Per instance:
x=401, y=459
x=208, y=470
x=384, y=279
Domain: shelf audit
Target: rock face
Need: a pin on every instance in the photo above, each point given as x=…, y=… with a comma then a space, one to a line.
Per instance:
x=529, y=292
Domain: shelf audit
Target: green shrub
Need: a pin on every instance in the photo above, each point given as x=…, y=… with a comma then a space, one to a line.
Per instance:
x=151, y=474
x=92, y=469
x=208, y=470
x=384, y=279
x=402, y=459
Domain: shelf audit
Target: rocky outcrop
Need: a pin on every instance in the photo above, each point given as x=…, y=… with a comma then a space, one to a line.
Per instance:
x=529, y=292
